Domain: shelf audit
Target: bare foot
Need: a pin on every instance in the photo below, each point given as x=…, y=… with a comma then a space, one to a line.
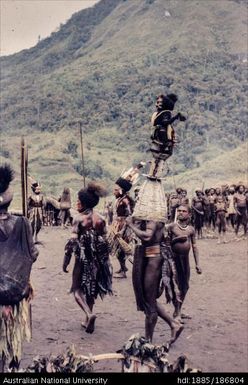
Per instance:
x=120, y=275
x=176, y=330
x=176, y=314
x=185, y=316
x=179, y=319
x=84, y=323
x=90, y=327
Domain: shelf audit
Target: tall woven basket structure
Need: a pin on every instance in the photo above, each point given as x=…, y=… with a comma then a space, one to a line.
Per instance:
x=151, y=203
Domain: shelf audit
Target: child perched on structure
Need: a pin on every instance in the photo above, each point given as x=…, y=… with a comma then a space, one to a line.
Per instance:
x=163, y=137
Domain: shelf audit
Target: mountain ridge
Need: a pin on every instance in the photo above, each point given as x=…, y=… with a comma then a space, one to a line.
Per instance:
x=132, y=53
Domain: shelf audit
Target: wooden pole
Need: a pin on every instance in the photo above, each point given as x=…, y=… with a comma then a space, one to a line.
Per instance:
x=82, y=150
x=174, y=182
x=24, y=176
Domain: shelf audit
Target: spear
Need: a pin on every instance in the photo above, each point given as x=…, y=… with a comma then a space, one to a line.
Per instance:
x=82, y=149
x=24, y=179
x=175, y=187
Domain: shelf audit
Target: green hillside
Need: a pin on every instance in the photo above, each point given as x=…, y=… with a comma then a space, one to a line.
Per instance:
x=226, y=168
x=104, y=68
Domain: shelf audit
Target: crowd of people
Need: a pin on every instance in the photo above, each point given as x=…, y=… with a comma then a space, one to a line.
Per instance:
x=132, y=227
x=214, y=209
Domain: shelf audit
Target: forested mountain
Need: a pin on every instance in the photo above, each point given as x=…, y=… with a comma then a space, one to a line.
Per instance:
x=104, y=68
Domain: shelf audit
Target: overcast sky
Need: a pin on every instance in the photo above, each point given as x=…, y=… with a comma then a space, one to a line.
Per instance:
x=23, y=21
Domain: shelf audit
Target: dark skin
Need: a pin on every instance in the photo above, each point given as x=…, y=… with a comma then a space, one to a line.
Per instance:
x=197, y=205
x=220, y=208
x=184, y=198
x=37, y=192
x=7, y=310
x=163, y=137
x=118, y=193
x=125, y=208
x=85, y=303
x=189, y=232
x=161, y=106
x=231, y=215
x=211, y=199
x=152, y=276
x=240, y=204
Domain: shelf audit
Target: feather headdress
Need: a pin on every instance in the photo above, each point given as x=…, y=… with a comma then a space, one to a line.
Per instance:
x=89, y=196
x=97, y=189
x=6, y=176
x=130, y=177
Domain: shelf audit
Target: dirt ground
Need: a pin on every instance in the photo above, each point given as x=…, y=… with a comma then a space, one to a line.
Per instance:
x=214, y=339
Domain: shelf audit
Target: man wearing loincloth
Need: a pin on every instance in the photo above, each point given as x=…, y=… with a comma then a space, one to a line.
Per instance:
x=123, y=207
x=147, y=273
x=36, y=203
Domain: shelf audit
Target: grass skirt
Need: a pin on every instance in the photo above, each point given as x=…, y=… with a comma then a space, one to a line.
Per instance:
x=14, y=329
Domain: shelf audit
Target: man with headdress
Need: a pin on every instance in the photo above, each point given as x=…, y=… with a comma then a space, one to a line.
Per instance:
x=35, y=209
x=241, y=205
x=122, y=209
x=147, y=274
x=18, y=253
x=92, y=272
x=147, y=223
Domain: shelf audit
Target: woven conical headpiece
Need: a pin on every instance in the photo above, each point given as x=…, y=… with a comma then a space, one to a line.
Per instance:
x=151, y=202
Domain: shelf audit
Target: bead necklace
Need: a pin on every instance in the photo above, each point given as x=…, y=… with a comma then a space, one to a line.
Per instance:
x=182, y=227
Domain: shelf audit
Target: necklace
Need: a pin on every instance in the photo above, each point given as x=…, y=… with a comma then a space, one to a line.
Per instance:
x=182, y=227
x=86, y=211
x=4, y=215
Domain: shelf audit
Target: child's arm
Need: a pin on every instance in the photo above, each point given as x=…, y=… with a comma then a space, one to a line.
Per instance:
x=169, y=119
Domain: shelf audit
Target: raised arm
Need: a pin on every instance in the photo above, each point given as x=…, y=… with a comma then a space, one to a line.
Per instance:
x=168, y=118
x=145, y=235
